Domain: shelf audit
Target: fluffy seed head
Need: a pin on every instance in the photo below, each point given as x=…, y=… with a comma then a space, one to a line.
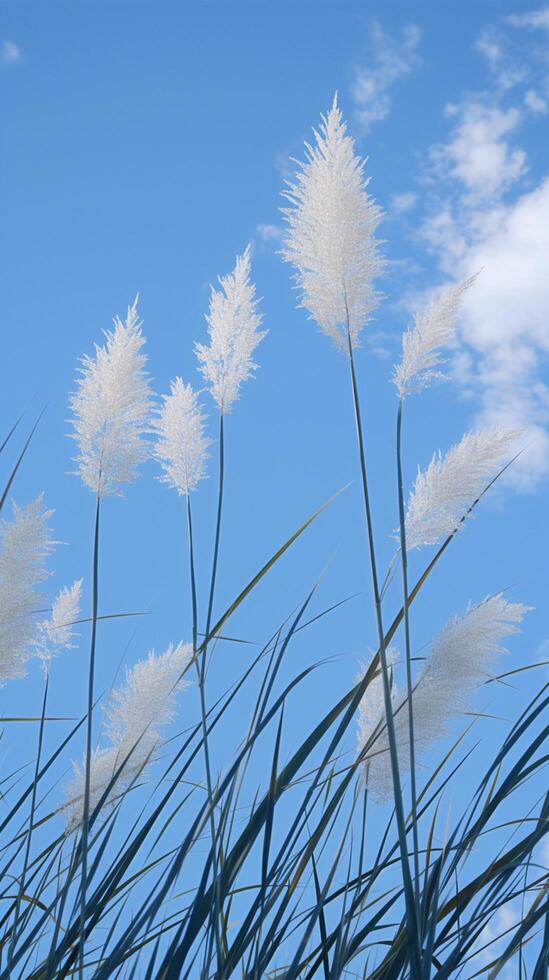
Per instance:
x=444, y=492
x=182, y=445
x=57, y=632
x=233, y=328
x=134, y=714
x=111, y=408
x=25, y=543
x=433, y=329
x=461, y=659
x=330, y=238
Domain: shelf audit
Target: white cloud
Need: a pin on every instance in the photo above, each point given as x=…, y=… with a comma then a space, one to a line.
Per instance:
x=490, y=46
x=269, y=236
x=10, y=53
x=478, y=152
x=505, y=324
x=391, y=59
x=485, y=217
x=507, y=70
x=379, y=343
x=402, y=203
x=535, y=102
x=494, y=938
x=535, y=18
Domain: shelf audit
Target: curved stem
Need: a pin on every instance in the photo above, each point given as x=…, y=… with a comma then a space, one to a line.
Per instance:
x=21, y=891
x=89, y=734
x=409, y=685
x=217, y=536
x=200, y=672
x=205, y=646
x=411, y=918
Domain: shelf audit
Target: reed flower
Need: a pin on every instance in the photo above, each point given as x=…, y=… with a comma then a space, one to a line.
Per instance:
x=25, y=543
x=57, y=632
x=461, y=659
x=134, y=714
x=330, y=238
x=433, y=329
x=111, y=408
x=444, y=492
x=233, y=328
x=182, y=444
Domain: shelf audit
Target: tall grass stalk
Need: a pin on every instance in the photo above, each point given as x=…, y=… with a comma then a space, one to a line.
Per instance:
x=408, y=653
x=412, y=924
x=201, y=676
x=89, y=736
x=203, y=667
x=23, y=878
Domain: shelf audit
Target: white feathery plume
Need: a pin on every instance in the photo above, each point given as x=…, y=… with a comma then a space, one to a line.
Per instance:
x=461, y=659
x=371, y=726
x=134, y=713
x=57, y=632
x=182, y=445
x=233, y=322
x=25, y=543
x=433, y=329
x=443, y=493
x=330, y=239
x=111, y=408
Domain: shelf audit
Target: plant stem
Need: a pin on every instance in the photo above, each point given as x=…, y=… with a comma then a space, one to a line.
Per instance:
x=200, y=672
x=207, y=635
x=411, y=919
x=89, y=734
x=217, y=537
x=409, y=686
x=21, y=891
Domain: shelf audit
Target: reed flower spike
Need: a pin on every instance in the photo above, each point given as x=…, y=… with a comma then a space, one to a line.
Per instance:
x=25, y=543
x=461, y=659
x=444, y=492
x=331, y=233
x=57, y=632
x=134, y=714
x=182, y=446
x=434, y=328
x=111, y=408
x=233, y=328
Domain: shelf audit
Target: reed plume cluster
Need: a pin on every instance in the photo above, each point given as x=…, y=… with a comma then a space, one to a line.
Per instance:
x=25, y=544
x=133, y=714
x=330, y=238
x=111, y=408
x=233, y=329
x=198, y=836
x=460, y=661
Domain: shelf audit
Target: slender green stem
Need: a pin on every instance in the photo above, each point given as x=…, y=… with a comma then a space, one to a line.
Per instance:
x=203, y=715
x=205, y=650
x=411, y=918
x=217, y=537
x=89, y=734
x=409, y=685
x=21, y=891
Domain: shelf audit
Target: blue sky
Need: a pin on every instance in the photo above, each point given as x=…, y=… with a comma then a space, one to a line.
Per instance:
x=143, y=146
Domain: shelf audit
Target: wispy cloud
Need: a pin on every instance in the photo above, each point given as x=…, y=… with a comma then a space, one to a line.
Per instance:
x=534, y=18
x=495, y=936
x=486, y=215
x=535, y=102
x=403, y=203
x=506, y=66
x=10, y=53
x=479, y=153
x=269, y=237
x=390, y=59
